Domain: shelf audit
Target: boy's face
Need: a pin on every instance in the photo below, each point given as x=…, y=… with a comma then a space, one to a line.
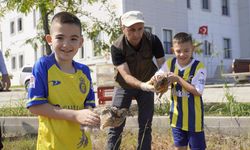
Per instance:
x=134, y=33
x=183, y=52
x=65, y=40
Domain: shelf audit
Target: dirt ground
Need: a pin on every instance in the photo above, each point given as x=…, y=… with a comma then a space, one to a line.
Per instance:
x=162, y=140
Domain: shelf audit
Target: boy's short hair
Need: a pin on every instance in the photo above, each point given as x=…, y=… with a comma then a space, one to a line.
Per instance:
x=67, y=18
x=182, y=37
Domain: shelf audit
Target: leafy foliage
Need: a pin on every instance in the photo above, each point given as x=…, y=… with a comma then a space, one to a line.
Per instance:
x=109, y=28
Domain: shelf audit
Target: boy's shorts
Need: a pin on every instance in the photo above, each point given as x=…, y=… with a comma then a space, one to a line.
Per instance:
x=196, y=140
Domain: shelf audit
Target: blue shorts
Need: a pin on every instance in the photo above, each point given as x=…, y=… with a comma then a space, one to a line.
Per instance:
x=196, y=140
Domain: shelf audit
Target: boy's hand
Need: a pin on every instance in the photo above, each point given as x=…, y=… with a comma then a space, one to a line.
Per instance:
x=146, y=86
x=87, y=117
x=173, y=77
x=161, y=83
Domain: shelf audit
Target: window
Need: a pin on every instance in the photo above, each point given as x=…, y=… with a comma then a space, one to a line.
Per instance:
x=12, y=27
x=205, y=4
x=149, y=29
x=19, y=24
x=34, y=18
x=227, y=48
x=35, y=54
x=43, y=49
x=20, y=61
x=13, y=62
x=188, y=4
x=82, y=52
x=167, y=41
x=207, y=48
x=225, y=10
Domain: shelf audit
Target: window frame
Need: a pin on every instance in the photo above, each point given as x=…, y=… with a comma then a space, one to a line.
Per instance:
x=227, y=48
x=20, y=24
x=148, y=28
x=82, y=52
x=21, y=60
x=13, y=63
x=189, y=4
x=207, y=48
x=225, y=11
x=167, y=45
x=206, y=5
x=34, y=18
x=12, y=27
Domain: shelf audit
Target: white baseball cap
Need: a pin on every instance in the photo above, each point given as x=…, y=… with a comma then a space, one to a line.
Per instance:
x=132, y=17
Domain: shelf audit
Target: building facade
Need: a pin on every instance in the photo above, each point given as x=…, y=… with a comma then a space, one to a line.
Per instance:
x=221, y=25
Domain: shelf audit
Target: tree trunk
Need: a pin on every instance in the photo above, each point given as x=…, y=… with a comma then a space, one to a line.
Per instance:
x=46, y=31
x=45, y=20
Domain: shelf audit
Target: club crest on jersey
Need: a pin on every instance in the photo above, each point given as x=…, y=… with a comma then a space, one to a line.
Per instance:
x=82, y=86
x=190, y=78
x=32, y=82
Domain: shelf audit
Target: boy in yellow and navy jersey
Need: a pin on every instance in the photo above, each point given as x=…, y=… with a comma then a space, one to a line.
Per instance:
x=61, y=88
x=187, y=76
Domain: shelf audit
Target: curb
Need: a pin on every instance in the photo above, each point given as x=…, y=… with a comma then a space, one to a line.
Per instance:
x=18, y=126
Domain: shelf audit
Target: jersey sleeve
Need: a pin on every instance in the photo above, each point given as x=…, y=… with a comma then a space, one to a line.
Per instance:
x=38, y=88
x=90, y=99
x=117, y=56
x=157, y=47
x=199, y=80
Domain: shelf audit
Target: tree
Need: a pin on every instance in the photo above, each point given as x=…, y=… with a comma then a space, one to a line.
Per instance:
x=46, y=8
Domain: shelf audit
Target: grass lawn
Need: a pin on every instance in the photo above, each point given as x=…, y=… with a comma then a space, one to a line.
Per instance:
x=162, y=140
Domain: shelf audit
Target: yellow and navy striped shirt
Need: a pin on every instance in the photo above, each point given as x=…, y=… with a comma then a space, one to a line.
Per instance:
x=186, y=111
x=70, y=91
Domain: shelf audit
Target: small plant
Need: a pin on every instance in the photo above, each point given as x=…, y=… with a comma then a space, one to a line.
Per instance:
x=18, y=109
x=162, y=106
x=235, y=108
x=27, y=142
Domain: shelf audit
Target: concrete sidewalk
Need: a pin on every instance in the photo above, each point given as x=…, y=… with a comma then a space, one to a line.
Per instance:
x=212, y=93
x=16, y=126
x=216, y=93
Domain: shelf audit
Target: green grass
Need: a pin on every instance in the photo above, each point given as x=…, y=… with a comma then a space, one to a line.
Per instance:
x=210, y=109
x=18, y=109
x=27, y=142
x=213, y=109
x=227, y=109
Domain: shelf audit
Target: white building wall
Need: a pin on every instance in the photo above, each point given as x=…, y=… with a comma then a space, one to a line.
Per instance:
x=159, y=14
x=244, y=22
x=15, y=43
x=219, y=27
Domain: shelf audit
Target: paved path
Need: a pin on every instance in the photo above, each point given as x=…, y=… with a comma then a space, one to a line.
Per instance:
x=215, y=93
x=12, y=97
x=212, y=93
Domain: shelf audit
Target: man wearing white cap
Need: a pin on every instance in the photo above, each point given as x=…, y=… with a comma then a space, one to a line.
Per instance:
x=132, y=55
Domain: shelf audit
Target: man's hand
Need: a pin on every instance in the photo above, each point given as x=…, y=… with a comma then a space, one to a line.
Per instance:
x=6, y=81
x=146, y=86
